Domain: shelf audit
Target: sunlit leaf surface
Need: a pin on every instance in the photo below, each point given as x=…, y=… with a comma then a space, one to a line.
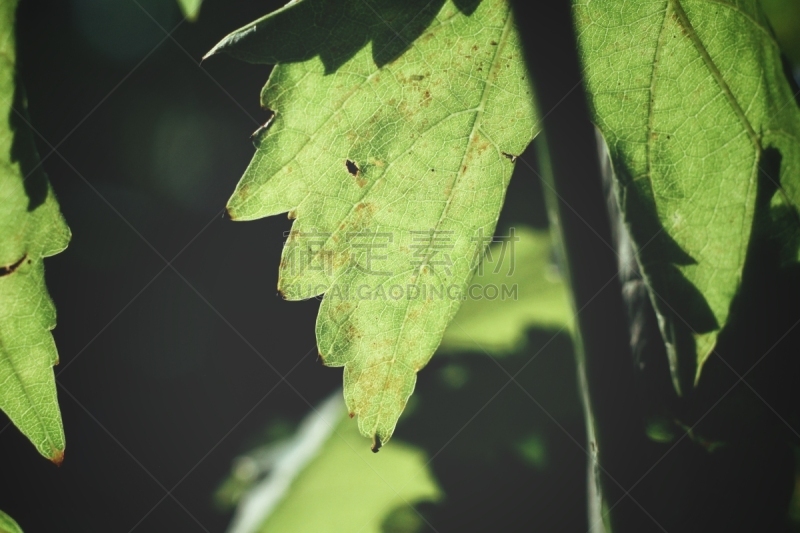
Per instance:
x=31, y=228
x=395, y=130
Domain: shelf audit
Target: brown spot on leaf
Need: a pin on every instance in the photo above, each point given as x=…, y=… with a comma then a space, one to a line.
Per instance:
x=244, y=191
x=291, y=215
x=9, y=269
x=338, y=260
x=351, y=414
x=58, y=457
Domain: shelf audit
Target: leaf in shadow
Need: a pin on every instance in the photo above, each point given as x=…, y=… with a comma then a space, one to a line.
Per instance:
x=334, y=31
x=23, y=150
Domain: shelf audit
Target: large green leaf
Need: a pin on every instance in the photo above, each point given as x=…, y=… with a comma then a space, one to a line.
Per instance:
x=392, y=142
x=323, y=480
x=8, y=525
x=517, y=287
x=692, y=100
x=31, y=228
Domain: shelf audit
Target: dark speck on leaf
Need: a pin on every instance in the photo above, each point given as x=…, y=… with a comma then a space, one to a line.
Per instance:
x=510, y=157
x=352, y=168
x=493, y=43
x=376, y=444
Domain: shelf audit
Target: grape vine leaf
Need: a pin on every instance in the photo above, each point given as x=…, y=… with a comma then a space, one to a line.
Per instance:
x=322, y=480
x=692, y=100
x=394, y=134
x=517, y=287
x=31, y=228
x=190, y=8
x=8, y=525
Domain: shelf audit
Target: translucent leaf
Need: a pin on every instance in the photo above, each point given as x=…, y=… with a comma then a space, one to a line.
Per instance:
x=392, y=142
x=31, y=228
x=516, y=288
x=693, y=103
x=324, y=480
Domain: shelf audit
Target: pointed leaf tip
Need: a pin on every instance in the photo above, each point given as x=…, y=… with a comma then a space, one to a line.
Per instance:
x=57, y=458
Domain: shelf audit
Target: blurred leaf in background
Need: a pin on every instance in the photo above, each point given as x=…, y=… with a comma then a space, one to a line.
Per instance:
x=190, y=8
x=124, y=32
x=325, y=480
x=516, y=287
x=8, y=525
x=31, y=228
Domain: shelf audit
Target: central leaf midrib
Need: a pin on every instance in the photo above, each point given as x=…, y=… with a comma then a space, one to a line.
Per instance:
x=475, y=124
x=683, y=19
x=4, y=355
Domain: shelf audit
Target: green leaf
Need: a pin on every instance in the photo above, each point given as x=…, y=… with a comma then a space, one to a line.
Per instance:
x=8, y=525
x=516, y=288
x=31, y=228
x=691, y=97
x=190, y=8
x=324, y=480
x=394, y=156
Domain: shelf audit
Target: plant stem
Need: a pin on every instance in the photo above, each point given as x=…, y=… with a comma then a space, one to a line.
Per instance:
x=576, y=200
